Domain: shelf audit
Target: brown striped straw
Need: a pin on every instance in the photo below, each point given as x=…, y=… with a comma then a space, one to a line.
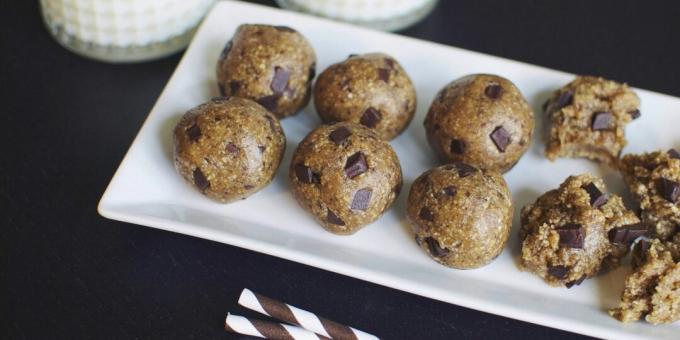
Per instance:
x=268, y=330
x=302, y=318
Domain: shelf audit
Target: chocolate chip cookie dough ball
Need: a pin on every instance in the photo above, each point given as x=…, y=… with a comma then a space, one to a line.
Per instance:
x=482, y=120
x=588, y=118
x=272, y=65
x=570, y=233
x=228, y=148
x=370, y=89
x=654, y=180
x=345, y=176
x=461, y=215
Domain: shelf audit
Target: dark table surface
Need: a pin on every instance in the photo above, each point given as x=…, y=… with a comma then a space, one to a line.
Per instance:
x=67, y=121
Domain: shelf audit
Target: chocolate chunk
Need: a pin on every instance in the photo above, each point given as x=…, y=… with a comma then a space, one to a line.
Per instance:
x=220, y=99
x=501, y=138
x=672, y=153
x=575, y=282
x=356, y=165
x=332, y=218
x=361, y=199
x=426, y=214
x=280, y=80
x=559, y=272
x=640, y=249
x=597, y=198
x=458, y=146
x=450, y=190
x=248, y=186
x=262, y=148
x=670, y=190
x=339, y=135
x=571, y=235
x=627, y=234
x=199, y=179
x=284, y=29
x=312, y=72
x=635, y=114
x=221, y=89
x=602, y=121
x=384, y=74
x=232, y=148
x=389, y=62
x=493, y=91
x=226, y=50
x=564, y=99
x=194, y=133
x=435, y=249
x=269, y=102
x=234, y=86
x=464, y=169
x=305, y=174
x=370, y=118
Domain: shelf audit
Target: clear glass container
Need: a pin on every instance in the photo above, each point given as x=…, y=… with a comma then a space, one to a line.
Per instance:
x=123, y=30
x=387, y=15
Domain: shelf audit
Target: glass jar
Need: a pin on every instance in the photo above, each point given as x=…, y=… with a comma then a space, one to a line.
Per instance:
x=123, y=30
x=387, y=15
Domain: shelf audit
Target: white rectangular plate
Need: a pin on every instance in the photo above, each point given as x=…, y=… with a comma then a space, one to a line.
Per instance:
x=146, y=190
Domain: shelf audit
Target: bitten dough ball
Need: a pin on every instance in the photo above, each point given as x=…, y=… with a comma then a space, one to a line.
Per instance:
x=272, y=65
x=370, y=89
x=345, y=176
x=461, y=215
x=228, y=148
x=482, y=120
x=588, y=118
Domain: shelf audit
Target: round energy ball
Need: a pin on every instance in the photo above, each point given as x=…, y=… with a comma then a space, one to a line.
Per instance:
x=272, y=65
x=370, y=89
x=345, y=176
x=228, y=148
x=482, y=120
x=461, y=215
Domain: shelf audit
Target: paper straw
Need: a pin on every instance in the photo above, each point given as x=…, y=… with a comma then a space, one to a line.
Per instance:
x=304, y=319
x=268, y=330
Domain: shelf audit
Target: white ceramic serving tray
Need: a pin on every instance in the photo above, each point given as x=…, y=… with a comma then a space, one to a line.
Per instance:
x=146, y=190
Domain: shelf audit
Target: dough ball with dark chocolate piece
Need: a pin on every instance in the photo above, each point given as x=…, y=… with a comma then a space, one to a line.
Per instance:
x=570, y=233
x=345, y=176
x=370, y=89
x=272, y=65
x=461, y=215
x=228, y=148
x=482, y=120
x=588, y=117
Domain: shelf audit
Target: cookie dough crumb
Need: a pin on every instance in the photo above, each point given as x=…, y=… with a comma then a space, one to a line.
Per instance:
x=588, y=118
x=654, y=180
x=653, y=290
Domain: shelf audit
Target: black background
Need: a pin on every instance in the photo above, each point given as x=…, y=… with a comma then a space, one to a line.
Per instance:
x=66, y=272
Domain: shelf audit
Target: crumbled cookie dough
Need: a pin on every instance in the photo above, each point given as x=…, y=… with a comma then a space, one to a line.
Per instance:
x=482, y=120
x=345, y=175
x=654, y=180
x=570, y=233
x=228, y=148
x=272, y=65
x=588, y=118
x=370, y=89
x=652, y=292
x=461, y=215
